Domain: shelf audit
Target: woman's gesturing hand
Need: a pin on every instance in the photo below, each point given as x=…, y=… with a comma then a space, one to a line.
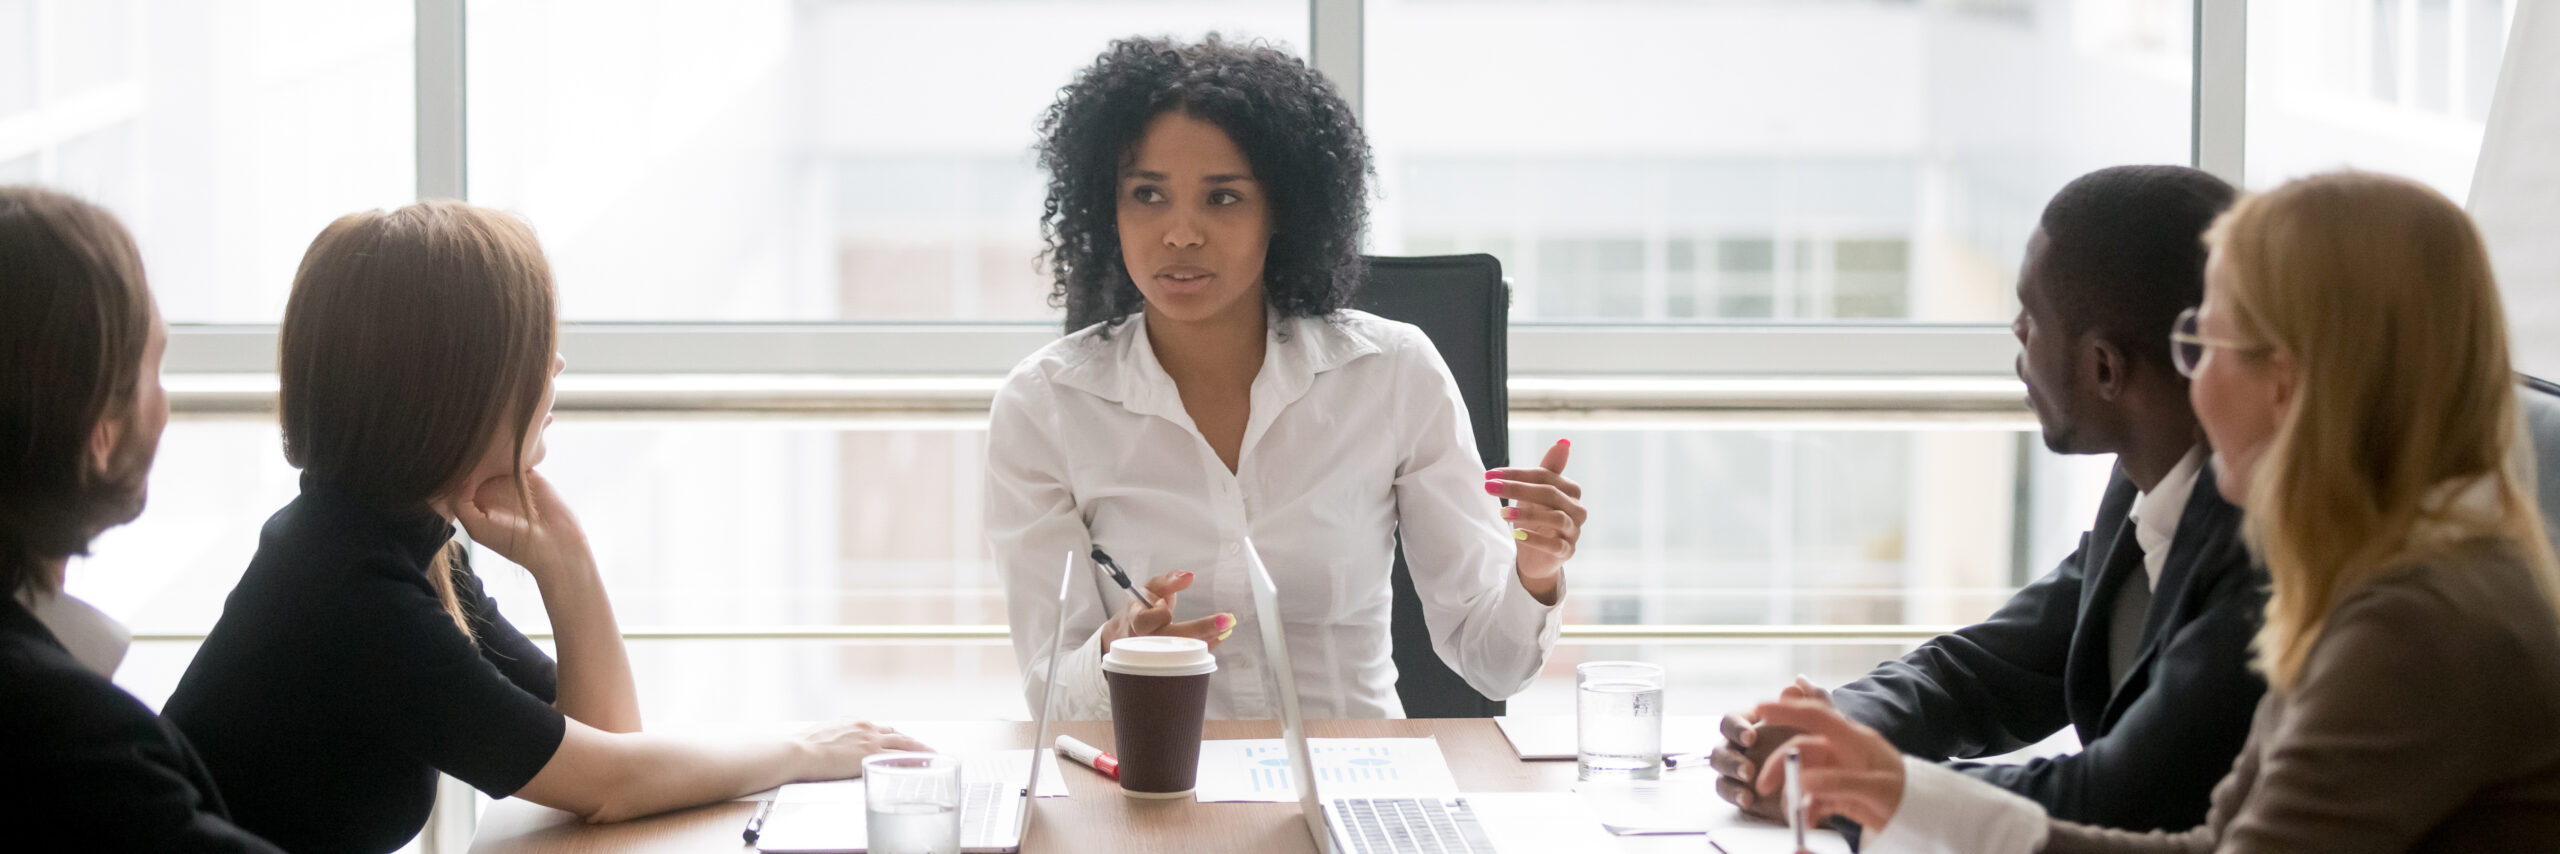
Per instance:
x=544, y=541
x=1850, y=770
x=1135, y=619
x=1546, y=515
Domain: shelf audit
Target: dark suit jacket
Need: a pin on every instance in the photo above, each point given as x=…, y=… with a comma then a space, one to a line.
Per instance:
x=85, y=766
x=2152, y=747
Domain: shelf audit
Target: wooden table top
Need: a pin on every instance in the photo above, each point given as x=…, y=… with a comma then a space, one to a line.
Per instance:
x=1479, y=757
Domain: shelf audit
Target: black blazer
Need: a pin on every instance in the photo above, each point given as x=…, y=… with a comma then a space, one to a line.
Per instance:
x=85, y=766
x=2153, y=747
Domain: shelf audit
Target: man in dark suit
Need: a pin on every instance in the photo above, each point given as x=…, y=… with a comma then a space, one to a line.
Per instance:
x=2139, y=641
x=83, y=765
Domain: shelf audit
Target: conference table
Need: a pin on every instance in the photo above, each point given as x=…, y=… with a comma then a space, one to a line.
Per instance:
x=1094, y=816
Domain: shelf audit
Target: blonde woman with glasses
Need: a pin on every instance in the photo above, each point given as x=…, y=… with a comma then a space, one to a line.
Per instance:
x=2350, y=369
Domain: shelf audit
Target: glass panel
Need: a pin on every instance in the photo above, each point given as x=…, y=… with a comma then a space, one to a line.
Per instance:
x=766, y=523
x=2484, y=48
x=1859, y=159
x=826, y=159
x=224, y=134
x=1870, y=278
x=760, y=524
x=2400, y=86
x=686, y=683
x=1746, y=284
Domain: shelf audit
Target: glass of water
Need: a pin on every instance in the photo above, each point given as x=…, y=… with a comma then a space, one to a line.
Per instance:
x=912, y=802
x=1618, y=721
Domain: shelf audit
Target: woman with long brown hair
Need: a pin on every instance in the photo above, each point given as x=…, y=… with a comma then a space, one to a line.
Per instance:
x=2351, y=370
x=359, y=656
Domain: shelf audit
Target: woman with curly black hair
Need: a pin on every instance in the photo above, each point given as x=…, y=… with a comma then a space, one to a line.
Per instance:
x=1203, y=221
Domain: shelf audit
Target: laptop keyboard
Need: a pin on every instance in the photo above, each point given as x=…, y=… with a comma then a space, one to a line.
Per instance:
x=979, y=808
x=978, y=811
x=1412, y=826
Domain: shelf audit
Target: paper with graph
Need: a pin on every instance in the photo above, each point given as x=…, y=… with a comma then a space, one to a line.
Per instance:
x=1256, y=770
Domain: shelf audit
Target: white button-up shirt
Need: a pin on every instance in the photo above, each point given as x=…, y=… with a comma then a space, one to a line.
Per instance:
x=1356, y=432
x=1945, y=812
x=2156, y=531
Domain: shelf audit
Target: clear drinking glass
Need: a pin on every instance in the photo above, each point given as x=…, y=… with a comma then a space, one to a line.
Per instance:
x=1619, y=720
x=913, y=803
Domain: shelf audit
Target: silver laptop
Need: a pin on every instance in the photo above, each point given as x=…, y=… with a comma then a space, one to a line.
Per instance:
x=1443, y=823
x=995, y=797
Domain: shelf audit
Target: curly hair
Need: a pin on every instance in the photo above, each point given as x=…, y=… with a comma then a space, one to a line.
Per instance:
x=1302, y=140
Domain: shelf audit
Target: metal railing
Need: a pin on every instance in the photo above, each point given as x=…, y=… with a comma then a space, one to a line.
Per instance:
x=994, y=633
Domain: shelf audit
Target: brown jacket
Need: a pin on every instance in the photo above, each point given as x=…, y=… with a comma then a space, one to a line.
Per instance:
x=2427, y=719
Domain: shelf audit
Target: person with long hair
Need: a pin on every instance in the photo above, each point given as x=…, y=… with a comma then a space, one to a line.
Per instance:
x=81, y=410
x=359, y=655
x=1214, y=390
x=2351, y=370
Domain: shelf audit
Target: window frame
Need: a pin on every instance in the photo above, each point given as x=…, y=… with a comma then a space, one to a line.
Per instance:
x=1749, y=375
x=1827, y=366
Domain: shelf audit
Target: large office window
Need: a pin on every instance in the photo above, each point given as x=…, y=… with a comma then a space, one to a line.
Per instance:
x=1744, y=170
x=2399, y=86
x=224, y=134
x=794, y=159
x=1637, y=160
x=760, y=525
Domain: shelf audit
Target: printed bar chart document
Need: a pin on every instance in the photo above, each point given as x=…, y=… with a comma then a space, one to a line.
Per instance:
x=1256, y=770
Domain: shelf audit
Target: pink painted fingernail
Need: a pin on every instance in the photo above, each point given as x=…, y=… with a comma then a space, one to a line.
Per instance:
x=1226, y=621
x=1493, y=487
x=1182, y=576
x=1511, y=512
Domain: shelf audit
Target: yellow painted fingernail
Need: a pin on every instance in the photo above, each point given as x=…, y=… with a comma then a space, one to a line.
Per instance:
x=1519, y=533
x=1223, y=635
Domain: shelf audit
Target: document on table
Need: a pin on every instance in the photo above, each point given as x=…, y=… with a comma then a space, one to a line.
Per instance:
x=995, y=765
x=1535, y=737
x=1256, y=770
x=1691, y=806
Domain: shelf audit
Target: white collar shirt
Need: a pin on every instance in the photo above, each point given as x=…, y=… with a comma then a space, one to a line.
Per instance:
x=1356, y=433
x=94, y=639
x=2155, y=531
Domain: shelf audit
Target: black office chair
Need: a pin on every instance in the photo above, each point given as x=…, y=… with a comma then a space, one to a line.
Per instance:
x=2540, y=400
x=1462, y=303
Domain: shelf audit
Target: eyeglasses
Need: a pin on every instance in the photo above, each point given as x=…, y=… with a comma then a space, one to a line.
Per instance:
x=2187, y=344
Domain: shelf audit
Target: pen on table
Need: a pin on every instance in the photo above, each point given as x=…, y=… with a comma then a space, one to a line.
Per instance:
x=1089, y=756
x=1120, y=578
x=755, y=823
x=1795, y=796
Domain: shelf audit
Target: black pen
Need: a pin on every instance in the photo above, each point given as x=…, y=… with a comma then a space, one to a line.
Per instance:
x=1119, y=577
x=755, y=824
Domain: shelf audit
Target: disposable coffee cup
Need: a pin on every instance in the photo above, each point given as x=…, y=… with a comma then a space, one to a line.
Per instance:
x=1159, y=690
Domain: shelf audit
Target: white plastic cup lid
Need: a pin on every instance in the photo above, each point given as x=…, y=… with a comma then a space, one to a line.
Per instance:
x=1155, y=655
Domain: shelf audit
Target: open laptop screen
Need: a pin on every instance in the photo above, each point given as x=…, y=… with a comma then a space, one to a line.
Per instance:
x=1266, y=607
